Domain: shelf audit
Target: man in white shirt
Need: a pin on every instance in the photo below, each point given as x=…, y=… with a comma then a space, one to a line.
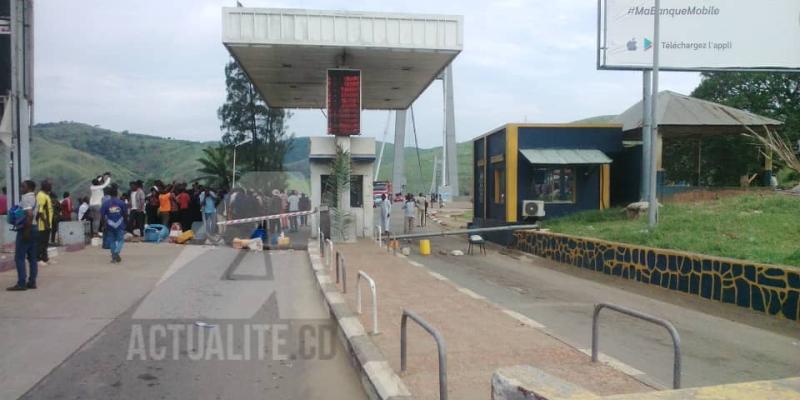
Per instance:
x=294, y=206
x=96, y=200
x=409, y=212
x=137, y=208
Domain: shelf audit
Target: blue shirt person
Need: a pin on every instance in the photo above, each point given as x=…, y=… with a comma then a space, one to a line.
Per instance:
x=113, y=212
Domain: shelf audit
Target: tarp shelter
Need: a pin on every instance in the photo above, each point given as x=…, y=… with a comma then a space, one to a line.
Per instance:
x=686, y=117
x=680, y=115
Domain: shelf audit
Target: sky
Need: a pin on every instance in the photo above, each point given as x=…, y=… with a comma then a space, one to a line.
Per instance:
x=157, y=67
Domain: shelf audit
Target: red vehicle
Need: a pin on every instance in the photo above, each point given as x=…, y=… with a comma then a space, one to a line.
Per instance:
x=380, y=188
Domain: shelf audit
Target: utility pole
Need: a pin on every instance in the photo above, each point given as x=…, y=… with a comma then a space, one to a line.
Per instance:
x=652, y=209
x=647, y=131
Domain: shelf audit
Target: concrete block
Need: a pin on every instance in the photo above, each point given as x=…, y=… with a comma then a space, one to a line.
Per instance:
x=71, y=233
x=523, y=382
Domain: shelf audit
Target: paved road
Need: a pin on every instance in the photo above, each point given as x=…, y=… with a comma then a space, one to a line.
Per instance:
x=219, y=324
x=721, y=343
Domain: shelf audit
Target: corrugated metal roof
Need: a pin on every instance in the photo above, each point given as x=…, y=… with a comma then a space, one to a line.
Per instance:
x=696, y=115
x=565, y=156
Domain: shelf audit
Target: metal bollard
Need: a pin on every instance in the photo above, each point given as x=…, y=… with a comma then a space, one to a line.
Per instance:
x=440, y=345
x=373, y=289
x=676, y=339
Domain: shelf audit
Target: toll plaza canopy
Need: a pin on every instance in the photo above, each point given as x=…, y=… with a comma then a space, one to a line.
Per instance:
x=684, y=116
x=287, y=52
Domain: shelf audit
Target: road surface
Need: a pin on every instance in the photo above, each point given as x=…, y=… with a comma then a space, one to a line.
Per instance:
x=216, y=324
x=720, y=343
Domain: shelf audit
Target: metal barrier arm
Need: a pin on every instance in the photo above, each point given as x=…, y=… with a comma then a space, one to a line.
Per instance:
x=440, y=345
x=676, y=339
x=373, y=289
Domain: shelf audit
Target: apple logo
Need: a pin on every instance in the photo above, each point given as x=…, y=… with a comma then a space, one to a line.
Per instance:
x=632, y=45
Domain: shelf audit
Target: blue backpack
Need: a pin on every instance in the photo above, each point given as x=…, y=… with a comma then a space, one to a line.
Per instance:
x=16, y=218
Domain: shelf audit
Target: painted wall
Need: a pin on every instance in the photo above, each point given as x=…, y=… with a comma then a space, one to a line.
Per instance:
x=771, y=289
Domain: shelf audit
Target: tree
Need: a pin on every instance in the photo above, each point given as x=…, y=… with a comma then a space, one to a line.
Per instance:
x=336, y=185
x=726, y=158
x=245, y=114
x=216, y=166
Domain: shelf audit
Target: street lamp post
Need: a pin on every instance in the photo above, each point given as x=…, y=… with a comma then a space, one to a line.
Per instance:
x=233, y=174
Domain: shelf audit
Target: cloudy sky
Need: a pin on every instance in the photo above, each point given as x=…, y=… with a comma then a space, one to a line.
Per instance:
x=157, y=67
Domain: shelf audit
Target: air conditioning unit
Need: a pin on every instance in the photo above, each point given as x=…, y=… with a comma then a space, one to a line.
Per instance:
x=533, y=208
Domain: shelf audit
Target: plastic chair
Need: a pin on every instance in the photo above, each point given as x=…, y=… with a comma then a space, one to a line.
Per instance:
x=476, y=240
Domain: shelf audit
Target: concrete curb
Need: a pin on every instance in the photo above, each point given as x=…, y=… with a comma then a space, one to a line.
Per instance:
x=379, y=380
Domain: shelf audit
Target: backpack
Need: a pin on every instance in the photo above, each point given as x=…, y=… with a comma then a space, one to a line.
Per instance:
x=16, y=218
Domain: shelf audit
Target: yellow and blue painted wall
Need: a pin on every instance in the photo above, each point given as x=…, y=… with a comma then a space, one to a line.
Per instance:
x=770, y=289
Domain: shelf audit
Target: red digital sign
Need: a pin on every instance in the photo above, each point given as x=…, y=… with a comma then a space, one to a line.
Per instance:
x=344, y=102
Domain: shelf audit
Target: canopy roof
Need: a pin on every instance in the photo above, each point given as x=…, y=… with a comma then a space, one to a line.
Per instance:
x=565, y=156
x=681, y=115
x=286, y=52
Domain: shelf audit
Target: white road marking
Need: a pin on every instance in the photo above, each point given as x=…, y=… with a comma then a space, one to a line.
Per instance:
x=437, y=276
x=416, y=264
x=523, y=319
x=614, y=363
x=470, y=293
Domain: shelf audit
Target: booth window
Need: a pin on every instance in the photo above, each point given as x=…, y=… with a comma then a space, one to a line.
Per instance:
x=499, y=185
x=356, y=191
x=553, y=185
x=328, y=190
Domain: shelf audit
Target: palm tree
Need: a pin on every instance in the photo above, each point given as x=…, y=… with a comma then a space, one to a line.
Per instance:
x=216, y=166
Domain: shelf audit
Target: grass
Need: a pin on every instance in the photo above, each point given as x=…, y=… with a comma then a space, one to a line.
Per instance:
x=755, y=227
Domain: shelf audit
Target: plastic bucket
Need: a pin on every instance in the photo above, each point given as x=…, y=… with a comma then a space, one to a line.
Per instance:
x=425, y=247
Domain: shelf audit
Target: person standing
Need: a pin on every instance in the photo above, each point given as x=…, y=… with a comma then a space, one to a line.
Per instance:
x=184, y=212
x=294, y=206
x=96, y=199
x=137, y=207
x=165, y=206
x=27, y=239
x=305, y=205
x=422, y=209
x=386, y=210
x=56, y=217
x=45, y=220
x=284, y=209
x=208, y=199
x=66, y=207
x=113, y=212
x=85, y=215
x=3, y=202
x=410, y=212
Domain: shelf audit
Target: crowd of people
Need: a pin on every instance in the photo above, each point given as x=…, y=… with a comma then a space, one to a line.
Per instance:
x=415, y=212
x=114, y=213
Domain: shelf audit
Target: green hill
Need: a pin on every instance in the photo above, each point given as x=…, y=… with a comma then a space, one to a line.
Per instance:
x=70, y=154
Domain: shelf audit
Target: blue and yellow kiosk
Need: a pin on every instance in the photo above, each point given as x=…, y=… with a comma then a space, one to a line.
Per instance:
x=525, y=172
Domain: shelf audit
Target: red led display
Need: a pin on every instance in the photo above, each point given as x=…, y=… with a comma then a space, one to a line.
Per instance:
x=344, y=102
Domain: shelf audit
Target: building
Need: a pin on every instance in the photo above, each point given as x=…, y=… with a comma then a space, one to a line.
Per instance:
x=561, y=169
x=343, y=62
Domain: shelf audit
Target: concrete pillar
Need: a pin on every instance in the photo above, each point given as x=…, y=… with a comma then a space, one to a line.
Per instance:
x=451, y=151
x=21, y=93
x=399, y=167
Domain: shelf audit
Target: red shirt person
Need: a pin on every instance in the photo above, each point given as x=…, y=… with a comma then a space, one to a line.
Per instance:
x=66, y=207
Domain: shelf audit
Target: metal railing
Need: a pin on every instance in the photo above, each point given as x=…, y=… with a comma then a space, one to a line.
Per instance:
x=340, y=267
x=374, y=290
x=676, y=339
x=321, y=240
x=466, y=231
x=440, y=345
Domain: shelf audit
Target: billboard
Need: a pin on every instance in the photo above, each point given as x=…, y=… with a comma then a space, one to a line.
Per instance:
x=344, y=102
x=700, y=34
